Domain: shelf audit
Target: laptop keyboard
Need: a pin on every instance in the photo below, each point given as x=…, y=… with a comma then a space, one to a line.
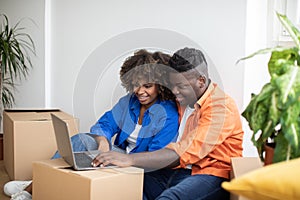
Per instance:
x=83, y=160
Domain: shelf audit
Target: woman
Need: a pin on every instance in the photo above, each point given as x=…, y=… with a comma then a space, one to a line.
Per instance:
x=145, y=119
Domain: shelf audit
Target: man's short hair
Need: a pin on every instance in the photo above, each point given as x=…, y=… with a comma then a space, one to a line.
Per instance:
x=189, y=58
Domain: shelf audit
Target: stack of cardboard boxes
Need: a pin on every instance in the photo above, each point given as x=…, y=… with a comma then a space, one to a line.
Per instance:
x=29, y=143
x=29, y=136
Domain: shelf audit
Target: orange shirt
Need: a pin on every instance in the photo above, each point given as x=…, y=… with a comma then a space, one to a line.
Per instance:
x=212, y=134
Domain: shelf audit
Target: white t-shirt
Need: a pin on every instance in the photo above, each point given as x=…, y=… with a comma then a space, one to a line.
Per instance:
x=132, y=138
x=187, y=112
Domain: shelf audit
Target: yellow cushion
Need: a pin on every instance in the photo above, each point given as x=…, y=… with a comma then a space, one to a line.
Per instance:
x=275, y=181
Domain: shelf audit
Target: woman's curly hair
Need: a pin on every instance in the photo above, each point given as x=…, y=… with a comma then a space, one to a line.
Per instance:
x=150, y=66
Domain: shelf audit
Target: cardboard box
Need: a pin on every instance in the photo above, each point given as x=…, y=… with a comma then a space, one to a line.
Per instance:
x=1, y=146
x=240, y=166
x=29, y=136
x=52, y=179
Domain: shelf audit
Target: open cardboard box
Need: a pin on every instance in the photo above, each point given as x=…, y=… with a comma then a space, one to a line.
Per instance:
x=29, y=136
x=240, y=166
x=53, y=179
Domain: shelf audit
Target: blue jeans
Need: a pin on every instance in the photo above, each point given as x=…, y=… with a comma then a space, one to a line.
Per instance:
x=81, y=142
x=180, y=184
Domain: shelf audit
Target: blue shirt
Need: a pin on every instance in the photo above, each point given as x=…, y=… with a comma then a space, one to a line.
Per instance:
x=159, y=126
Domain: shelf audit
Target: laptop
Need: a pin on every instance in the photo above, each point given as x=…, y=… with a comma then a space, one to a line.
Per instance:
x=77, y=160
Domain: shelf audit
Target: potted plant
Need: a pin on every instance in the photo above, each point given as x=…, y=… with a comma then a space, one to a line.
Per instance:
x=274, y=113
x=15, y=49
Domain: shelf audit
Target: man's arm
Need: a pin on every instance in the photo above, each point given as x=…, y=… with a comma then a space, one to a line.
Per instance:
x=148, y=160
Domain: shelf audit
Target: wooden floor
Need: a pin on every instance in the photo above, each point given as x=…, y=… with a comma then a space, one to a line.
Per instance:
x=3, y=179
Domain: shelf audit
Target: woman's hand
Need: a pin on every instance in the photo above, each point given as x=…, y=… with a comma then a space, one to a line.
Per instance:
x=103, y=144
x=114, y=158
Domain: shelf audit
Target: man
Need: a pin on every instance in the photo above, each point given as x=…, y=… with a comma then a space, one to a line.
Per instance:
x=210, y=133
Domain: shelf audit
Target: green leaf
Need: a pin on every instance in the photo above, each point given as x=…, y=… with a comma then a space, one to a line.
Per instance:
x=281, y=60
x=262, y=51
x=274, y=112
x=281, y=151
x=291, y=126
x=291, y=29
x=7, y=93
x=289, y=86
x=257, y=111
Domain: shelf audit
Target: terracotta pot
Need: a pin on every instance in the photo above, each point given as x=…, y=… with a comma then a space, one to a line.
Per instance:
x=269, y=154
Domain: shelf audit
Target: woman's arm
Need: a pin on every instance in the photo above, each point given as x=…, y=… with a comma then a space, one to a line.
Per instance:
x=166, y=125
x=108, y=124
x=103, y=143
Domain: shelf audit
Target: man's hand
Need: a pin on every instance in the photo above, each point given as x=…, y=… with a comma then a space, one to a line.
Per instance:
x=112, y=157
x=103, y=144
x=148, y=160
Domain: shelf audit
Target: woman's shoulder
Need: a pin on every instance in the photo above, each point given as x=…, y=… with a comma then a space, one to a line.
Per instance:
x=168, y=104
x=127, y=100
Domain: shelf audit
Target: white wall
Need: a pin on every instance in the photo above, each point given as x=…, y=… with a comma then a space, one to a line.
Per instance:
x=84, y=28
x=90, y=39
x=256, y=74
